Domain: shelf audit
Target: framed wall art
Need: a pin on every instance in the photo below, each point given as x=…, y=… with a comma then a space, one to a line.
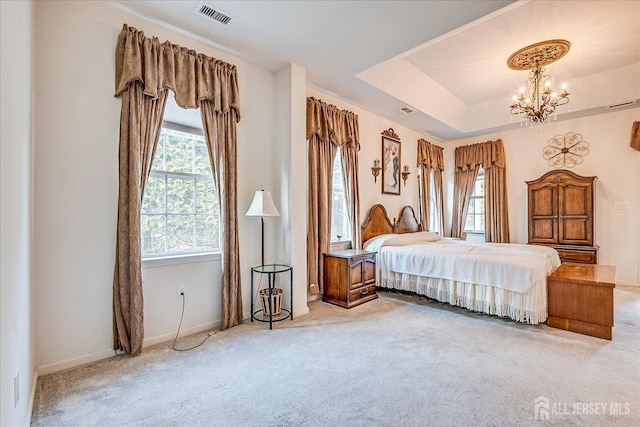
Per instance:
x=390, y=162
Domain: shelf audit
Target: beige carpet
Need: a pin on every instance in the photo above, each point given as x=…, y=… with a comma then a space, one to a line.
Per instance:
x=397, y=361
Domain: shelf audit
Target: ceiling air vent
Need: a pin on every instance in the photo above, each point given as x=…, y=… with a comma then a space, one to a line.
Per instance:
x=622, y=104
x=407, y=110
x=214, y=13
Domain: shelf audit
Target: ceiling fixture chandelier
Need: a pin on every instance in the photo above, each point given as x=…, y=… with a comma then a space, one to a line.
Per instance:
x=537, y=100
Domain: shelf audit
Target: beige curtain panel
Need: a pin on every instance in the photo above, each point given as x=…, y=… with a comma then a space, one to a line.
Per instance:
x=140, y=123
x=327, y=129
x=496, y=215
x=490, y=155
x=635, y=136
x=145, y=71
x=220, y=134
x=321, y=155
x=463, y=181
x=431, y=158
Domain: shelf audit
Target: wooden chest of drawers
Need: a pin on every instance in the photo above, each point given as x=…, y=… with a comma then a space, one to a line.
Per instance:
x=349, y=277
x=580, y=299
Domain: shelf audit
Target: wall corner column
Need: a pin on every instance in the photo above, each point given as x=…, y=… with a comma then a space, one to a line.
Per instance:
x=291, y=90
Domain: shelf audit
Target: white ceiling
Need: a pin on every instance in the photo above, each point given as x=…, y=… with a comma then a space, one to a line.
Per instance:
x=445, y=59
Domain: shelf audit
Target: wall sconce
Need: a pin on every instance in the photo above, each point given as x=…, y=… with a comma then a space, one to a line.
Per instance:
x=375, y=170
x=405, y=174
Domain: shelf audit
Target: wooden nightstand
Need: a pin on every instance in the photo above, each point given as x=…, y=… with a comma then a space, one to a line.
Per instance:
x=580, y=299
x=349, y=277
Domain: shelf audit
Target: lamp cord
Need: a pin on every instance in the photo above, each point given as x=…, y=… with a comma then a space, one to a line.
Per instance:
x=178, y=333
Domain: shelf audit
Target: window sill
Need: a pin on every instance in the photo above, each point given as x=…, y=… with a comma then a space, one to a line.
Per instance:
x=341, y=245
x=181, y=259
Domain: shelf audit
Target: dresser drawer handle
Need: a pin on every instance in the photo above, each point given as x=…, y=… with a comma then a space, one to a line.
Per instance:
x=366, y=291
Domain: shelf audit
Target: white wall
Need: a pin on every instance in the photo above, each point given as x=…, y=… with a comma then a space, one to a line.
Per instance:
x=371, y=127
x=76, y=181
x=16, y=112
x=610, y=158
x=292, y=164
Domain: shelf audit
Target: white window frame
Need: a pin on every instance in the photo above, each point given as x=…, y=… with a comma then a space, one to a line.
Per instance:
x=344, y=243
x=473, y=198
x=432, y=203
x=202, y=255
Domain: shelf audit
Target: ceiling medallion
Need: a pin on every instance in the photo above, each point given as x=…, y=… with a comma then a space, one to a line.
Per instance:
x=537, y=100
x=538, y=54
x=565, y=150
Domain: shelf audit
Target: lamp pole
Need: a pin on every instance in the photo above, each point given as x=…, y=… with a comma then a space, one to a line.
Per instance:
x=262, y=221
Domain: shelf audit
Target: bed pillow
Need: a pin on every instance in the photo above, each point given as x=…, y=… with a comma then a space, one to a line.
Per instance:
x=378, y=242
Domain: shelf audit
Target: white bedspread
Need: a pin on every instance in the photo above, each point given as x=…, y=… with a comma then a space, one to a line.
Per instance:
x=509, y=266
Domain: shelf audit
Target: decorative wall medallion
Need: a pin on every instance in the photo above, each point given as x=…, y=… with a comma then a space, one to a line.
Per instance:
x=565, y=150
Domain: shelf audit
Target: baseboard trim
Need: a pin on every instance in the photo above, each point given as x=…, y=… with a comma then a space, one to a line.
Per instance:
x=32, y=395
x=105, y=354
x=75, y=361
x=300, y=312
x=314, y=297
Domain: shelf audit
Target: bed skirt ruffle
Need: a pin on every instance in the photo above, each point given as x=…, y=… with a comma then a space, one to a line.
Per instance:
x=530, y=307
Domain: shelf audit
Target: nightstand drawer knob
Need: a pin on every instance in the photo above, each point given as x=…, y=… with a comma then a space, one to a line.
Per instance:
x=364, y=292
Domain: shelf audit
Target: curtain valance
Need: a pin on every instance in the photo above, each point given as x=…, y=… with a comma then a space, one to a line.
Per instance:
x=430, y=155
x=192, y=76
x=331, y=124
x=486, y=154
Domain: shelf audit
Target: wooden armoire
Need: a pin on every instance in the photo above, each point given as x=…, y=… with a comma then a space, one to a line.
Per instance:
x=561, y=215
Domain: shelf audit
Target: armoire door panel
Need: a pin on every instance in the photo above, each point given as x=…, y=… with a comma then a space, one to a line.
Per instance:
x=575, y=200
x=543, y=201
x=543, y=231
x=574, y=231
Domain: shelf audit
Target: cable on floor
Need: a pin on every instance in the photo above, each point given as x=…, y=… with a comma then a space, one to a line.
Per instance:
x=178, y=333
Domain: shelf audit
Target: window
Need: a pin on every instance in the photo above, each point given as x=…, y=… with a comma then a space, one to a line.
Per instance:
x=180, y=213
x=433, y=224
x=340, y=221
x=475, y=216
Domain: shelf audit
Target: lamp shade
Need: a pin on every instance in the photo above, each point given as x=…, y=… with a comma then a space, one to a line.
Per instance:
x=262, y=205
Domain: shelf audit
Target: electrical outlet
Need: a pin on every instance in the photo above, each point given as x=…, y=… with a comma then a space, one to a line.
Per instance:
x=182, y=290
x=16, y=389
x=620, y=206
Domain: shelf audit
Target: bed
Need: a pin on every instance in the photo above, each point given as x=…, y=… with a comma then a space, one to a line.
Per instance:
x=502, y=279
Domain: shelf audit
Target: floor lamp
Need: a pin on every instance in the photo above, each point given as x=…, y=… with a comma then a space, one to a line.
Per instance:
x=262, y=205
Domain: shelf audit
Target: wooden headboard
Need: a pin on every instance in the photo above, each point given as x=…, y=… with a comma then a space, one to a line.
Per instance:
x=377, y=222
